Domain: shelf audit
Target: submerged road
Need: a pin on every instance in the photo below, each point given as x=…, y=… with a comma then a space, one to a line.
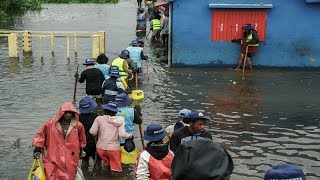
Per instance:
x=271, y=117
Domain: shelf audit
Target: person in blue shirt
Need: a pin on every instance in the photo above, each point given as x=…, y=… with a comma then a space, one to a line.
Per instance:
x=136, y=54
x=102, y=61
x=131, y=115
x=141, y=20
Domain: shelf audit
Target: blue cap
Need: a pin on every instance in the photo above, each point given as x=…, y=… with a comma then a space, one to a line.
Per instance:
x=184, y=113
x=124, y=54
x=123, y=100
x=247, y=27
x=193, y=116
x=154, y=133
x=111, y=106
x=135, y=43
x=87, y=105
x=114, y=71
x=285, y=171
x=89, y=62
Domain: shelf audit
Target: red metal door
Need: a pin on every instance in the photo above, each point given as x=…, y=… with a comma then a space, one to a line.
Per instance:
x=227, y=24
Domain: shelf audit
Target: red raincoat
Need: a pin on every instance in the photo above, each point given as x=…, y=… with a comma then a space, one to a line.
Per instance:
x=62, y=154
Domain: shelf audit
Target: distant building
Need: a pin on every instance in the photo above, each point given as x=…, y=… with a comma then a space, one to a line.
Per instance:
x=201, y=31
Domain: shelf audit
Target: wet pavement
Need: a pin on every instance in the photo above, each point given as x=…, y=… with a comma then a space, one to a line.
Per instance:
x=271, y=117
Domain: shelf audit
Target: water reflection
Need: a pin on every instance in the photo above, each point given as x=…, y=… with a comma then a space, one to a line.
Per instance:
x=271, y=117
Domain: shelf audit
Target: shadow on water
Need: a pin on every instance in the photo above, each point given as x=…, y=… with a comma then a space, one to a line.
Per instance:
x=271, y=117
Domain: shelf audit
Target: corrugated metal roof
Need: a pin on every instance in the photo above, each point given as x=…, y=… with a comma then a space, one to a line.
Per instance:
x=258, y=6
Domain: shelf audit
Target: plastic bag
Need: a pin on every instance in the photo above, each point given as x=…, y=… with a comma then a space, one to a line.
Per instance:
x=129, y=145
x=79, y=175
x=37, y=172
x=129, y=157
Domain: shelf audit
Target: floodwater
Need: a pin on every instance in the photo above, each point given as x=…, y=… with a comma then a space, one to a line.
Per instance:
x=270, y=117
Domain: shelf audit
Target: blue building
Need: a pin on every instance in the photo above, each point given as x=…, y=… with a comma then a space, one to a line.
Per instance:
x=201, y=31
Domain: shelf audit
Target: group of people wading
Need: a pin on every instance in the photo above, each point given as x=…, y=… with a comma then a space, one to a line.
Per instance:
x=106, y=121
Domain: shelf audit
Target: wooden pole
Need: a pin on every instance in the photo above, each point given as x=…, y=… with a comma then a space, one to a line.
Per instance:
x=244, y=63
x=141, y=137
x=68, y=47
x=95, y=46
x=13, y=45
x=52, y=43
x=27, y=41
x=41, y=47
x=75, y=44
x=102, y=38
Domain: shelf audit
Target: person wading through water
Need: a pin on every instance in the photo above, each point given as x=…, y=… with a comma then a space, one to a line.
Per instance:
x=102, y=64
x=109, y=128
x=86, y=107
x=155, y=27
x=178, y=125
x=154, y=162
x=136, y=53
x=196, y=130
x=60, y=141
x=94, y=79
x=123, y=66
x=249, y=45
x=131, y=115
x=112, y=86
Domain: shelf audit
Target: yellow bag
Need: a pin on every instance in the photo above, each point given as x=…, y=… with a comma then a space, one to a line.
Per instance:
x=37, y=171
x=129, y=158
x=137, y=95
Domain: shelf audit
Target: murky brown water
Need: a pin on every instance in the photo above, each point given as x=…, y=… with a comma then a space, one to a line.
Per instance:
x=271, y=117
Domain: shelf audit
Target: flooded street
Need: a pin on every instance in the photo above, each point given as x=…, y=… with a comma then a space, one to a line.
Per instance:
x=272, y=116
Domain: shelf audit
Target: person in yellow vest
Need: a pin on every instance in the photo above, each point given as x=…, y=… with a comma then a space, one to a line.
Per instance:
x=249, y=45
x=122, y=64
x=155, y=27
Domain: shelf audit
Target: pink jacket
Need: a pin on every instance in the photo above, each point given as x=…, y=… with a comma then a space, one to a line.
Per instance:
x=109, y=129
x=62, y=155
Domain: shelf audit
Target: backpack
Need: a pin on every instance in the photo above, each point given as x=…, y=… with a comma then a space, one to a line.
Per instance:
x=255, y=37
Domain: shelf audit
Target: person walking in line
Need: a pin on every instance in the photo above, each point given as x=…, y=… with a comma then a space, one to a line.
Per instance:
x=136, y=54
x=60, y=141
x=201, y=159
x=102, y=64
x=165, y=31
x=195, y=130
x=122, y=64
x=131, y=115
x=108, y=128
x=86, y=107
x=178, y=125
x=94, y=79
x=249, y=45
x=154, y=162
x=155, y=27
x=112, y=86
x=141, y=20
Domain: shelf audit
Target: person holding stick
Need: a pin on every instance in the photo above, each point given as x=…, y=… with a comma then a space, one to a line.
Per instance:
x=249, y=45
x=94, y=79
x=131, y=115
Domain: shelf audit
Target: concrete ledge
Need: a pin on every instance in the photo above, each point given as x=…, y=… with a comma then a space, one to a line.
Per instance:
x=241, y=6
